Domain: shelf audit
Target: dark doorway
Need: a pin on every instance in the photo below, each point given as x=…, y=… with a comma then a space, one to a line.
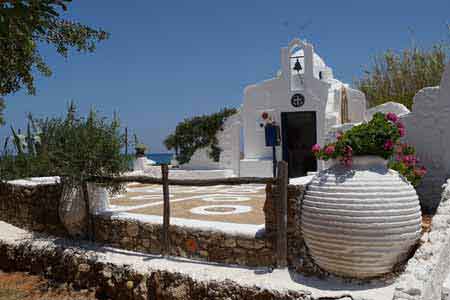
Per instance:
x=298, y=137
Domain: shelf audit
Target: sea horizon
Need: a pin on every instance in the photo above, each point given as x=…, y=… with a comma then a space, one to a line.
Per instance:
x=160, y=157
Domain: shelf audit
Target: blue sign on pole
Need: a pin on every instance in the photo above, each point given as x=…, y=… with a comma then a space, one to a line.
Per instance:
x=272, y=140
x=272, y=135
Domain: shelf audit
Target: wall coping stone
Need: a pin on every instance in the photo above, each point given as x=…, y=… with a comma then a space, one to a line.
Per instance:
x=245, y=230
x=303, y=181
x=35, y=181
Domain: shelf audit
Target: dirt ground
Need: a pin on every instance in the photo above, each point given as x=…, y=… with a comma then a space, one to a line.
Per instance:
x=22, y=286
x=241, y=204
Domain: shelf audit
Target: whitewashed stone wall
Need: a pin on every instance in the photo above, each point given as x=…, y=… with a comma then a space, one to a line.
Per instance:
x=200, y=160
x=428, y=129
x=426, y=271
x=357, y=105
x=229, y=142
x=397, y=108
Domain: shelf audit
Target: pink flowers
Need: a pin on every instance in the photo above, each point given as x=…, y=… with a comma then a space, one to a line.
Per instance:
x=380, y=136
x=329, y=150
x=409, y=160
x=316, y=148
x=347, y=158
x=390, y=116
x=406, y=162
x=401, y=128
x=388, y=145
x=347, y=162
x=420, y=172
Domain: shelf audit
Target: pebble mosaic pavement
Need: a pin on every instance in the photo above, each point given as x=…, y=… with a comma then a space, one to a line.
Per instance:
x=236, y=204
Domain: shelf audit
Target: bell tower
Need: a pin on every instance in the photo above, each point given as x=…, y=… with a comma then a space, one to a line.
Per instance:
x=297, y=64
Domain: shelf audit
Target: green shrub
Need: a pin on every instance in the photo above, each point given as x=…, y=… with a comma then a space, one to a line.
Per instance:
x=399, y=76
x=73, y=147
x=197, y=132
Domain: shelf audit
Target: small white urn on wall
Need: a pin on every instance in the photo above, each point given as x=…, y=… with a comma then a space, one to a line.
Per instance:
x=361, y=221
x=98, y=198
x=72, y=210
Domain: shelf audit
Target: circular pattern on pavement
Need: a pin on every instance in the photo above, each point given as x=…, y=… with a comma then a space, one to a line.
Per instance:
x=221, y=209
x=243, y=189
x=224, y=198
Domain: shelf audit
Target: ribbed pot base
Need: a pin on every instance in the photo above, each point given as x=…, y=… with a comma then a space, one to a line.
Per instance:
x=360, y=222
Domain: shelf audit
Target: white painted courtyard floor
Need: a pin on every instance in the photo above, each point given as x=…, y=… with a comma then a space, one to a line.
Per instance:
x=242, y=204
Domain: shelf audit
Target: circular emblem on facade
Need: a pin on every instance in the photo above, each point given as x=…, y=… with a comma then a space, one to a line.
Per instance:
x=297, y=100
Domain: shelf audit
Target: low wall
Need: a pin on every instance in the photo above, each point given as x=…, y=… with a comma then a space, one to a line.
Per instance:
x=124, y=275
x=202, y=244
x=425, y=272
x=32, y=204
x=297, y=255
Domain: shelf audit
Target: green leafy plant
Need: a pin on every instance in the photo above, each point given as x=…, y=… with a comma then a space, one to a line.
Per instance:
x=198, y=132
x=25, y=25
x=381, y=137
x=399, y=76
x=406, y=163
x=73, y=147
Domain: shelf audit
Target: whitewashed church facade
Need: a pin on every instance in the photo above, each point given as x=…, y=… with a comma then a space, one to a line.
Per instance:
x=304, y=100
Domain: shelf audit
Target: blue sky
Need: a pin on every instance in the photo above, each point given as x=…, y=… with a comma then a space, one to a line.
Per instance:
x=168, y=60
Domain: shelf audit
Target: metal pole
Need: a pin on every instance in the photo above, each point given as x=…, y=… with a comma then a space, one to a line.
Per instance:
x=274, y=161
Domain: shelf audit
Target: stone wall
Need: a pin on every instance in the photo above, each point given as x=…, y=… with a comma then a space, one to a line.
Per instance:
x=295, y=194
x=297, y=255
x=31, y=205
x=87, y=267
x=212, y=246
x=34, y=205
x=425, y=272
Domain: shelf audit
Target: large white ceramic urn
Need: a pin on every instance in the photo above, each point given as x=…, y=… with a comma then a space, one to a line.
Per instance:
x=361, y=221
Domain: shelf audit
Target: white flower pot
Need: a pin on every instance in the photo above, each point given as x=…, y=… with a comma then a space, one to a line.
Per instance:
x=98, y=198
x=360, y=222
x=72, y=211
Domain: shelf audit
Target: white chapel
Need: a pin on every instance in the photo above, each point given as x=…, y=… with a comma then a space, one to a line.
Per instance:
x=304, y=100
